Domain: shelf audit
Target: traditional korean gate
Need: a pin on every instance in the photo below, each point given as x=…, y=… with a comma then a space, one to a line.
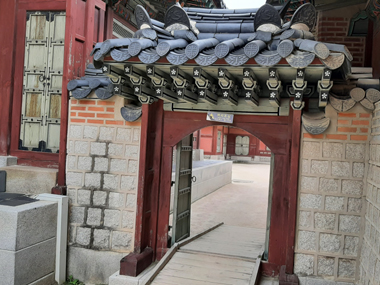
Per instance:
x=42, y=83
x=182, y=192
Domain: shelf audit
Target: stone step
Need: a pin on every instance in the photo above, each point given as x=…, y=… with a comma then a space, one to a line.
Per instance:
x=30, y=180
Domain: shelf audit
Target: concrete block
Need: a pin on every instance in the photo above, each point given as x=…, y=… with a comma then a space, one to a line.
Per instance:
x=98, y=148
x=352, y=187
x=75, y=132
x=133, y=166
x=131, y=201
x=324, y=221
x=355, y=151
x=328, y=185
x=351, y=245
x=319, y=166
x=112, y=218
x=334, y=203
x=90, y=132
x=124, y=135
x=346, y=268
x=340, y=168
x=101, y=164
x=84, y=197
x=136, y=135
x=99, y=198
x=311, y=150
x=8, y=161
x=329, y=242
x=81, y=147
x=132, y=151
x=121, y=240
x=92, y=266
x=111, y=182
x=309, y=183
x=118, y=165
x=304, y=219
x=115, y=149
x=74, y=179
x=310, y=201
x=102, y=239
x=326, y=266
x=358, y=169
x=94, y=216
x=128, y=183
x=128, y=220
x=349, y=224
x=116, y=200
x=354, y=205
x=333, y=150
x=92, y=180
x=307, y=240
x=83, y=236
x=46, y=280
x=77, y=215
x=85, y=163
x=303, y=264
x=26, y=225
x=30, y=180
x=107, y=133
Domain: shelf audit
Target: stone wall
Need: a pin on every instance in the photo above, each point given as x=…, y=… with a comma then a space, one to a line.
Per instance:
x=370, y=258
x=330, y=207
x=101, y=175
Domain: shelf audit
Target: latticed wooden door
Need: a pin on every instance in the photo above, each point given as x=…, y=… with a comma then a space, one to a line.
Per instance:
x=242, y=145
x=182, y=193
x=42, y=83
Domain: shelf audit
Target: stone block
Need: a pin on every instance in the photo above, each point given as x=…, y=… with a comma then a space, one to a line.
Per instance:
x=83, y=236
x=102, y=239
x=98, y=148
x=349, y=224
x=70, y=147
x=334, y=203
x=358, y=169
x=128, y=220
x=116, y=200
x=75, y=132
x=340, y=168
x=93, y=266
x=90, y=132
x=131, y=201
x=85, y=163
x=101, y=164
x=311, y=150
x=326, y=266
x=305, y=166
x=72, y=233
x=307, y=240
x=84, y=197
x=107, y=133
x=136, y=135
x=309, y=183
x=121, y=240
x=355, y=151
x=319, y=166
x=70, y=162
x=99, y=198
x=303, y=264
x=319, y=281
x=81, y=147
x=133, y=166
x=354, y=205
x=77, y=215
x=346, y=268
x=128, y=183
x=329, y=185
x=304, y=219
x=112, y=218
x=124, y=135
x=115, y=149
x=352, y=187
x=329, y=242
x=310, y=201
x=94, y=217
x=72, y=194
x=8, y=161
x=118, y=165
x=111, y=182
x=46, y=280
x=132, y=151
x=351, y=245
x=92, y=180
x=74, y=179
x=324, y=221
x=332, y=150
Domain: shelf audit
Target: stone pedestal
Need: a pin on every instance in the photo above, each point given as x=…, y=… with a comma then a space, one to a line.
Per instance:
x=28, y=243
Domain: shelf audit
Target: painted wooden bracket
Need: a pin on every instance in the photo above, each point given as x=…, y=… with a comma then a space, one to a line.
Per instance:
x=124, y=91
x=324, y=86
x=183, y=83
x=141, y=85
x=162, y=84
x=251, y=87
x=206, y=86
x=227, y=84
x=275, y=87
x=299, y=86
x=115, y=74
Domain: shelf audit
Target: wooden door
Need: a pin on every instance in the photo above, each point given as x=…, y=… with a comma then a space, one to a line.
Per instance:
x=182, y=192
x=42, y=82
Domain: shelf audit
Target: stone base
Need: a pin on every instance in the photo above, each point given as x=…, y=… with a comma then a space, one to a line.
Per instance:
x=7, y=161
x=198, y=154
x=117, y=279
x=320, y=281
x=30, y=180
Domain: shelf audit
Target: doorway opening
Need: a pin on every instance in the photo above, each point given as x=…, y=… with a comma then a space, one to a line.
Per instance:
x=222, y=174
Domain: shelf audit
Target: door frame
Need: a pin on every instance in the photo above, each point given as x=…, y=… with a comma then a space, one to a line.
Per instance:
x=162, y=130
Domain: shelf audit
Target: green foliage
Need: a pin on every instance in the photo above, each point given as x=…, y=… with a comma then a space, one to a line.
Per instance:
x=72, y=281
